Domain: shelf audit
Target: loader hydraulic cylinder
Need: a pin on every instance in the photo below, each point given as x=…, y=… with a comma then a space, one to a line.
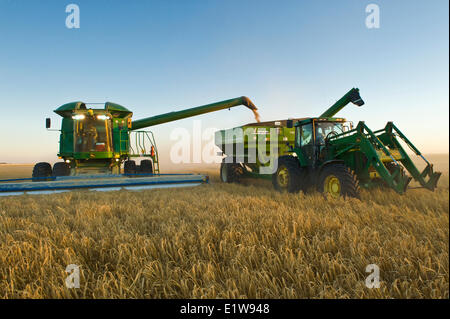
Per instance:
x=173, y=116
x=351, y=96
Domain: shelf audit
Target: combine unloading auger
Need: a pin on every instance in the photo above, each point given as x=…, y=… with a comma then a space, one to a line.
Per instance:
x=94, y=143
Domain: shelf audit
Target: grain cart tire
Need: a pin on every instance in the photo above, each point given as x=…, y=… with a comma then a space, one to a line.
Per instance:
x=129, y=167
x=338, y=180
x=41, y=172
x=231, y=172
x=61, y=169
x=289, y=175
x=146, y=167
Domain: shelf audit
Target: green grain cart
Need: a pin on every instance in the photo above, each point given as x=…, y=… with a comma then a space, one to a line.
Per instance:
x=324, y=153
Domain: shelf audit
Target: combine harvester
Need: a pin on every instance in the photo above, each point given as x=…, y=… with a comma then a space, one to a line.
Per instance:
x=325, y=153
x=94, y=143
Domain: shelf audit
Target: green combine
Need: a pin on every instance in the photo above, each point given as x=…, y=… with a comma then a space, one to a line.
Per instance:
x=97, y=144
x=94, y=140
x=324, y=153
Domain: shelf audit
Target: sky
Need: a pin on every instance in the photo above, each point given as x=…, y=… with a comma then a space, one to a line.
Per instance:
x=291, y=58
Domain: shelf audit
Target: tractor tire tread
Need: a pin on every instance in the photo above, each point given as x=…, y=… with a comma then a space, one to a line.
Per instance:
x=348, y=178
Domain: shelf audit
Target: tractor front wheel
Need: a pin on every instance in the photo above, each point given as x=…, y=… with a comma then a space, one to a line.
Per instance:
x=231, y=172
x=338, y=180
x=41, y=172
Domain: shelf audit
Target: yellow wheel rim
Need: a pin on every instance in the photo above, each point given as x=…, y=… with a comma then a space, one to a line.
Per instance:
x=332, y=186
x=283, y=177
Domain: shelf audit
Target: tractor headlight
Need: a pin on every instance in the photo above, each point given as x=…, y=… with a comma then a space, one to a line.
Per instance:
x=103, y=117
x=79, y=117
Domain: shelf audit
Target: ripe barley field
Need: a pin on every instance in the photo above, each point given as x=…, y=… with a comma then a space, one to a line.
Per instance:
x=224, y=241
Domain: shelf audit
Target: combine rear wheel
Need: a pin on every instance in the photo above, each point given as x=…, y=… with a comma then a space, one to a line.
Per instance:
x=61, y=169
x=338, y=180
x=146, y=167
x=129, y=167
x=231, y=172
x=41, y=172
x=289, y=177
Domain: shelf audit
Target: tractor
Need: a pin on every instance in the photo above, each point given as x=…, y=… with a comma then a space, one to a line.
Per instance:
x=327, y=154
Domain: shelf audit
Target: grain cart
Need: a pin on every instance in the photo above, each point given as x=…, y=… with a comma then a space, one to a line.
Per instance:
x=326, y=153
x=95, y=142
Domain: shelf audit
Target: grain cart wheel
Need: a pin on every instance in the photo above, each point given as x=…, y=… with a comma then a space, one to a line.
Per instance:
x=61, y=169
x=146, y=167
x=41, y=172
x=129, y=167
x=288, y=177
x=338, y=180
x=231, y=172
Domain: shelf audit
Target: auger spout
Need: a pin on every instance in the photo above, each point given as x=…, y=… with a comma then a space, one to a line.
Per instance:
x=351, y=96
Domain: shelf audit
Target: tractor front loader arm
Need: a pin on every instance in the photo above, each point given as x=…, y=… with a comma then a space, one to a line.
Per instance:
x=386, y=158
x=428, y=178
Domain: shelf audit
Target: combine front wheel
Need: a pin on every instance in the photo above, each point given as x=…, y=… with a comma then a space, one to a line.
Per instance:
x=129, y=167
x=41, y=172
x=61, y=169
x=338, y=180
x=146, y=167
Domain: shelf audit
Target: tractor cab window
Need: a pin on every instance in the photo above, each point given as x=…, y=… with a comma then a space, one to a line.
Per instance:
x=92, y=134
x=327, y=129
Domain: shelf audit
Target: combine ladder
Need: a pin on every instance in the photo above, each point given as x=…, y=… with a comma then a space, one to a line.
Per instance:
x=144, y=146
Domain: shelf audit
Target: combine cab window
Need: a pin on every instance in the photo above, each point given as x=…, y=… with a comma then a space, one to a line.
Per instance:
x=92, y=135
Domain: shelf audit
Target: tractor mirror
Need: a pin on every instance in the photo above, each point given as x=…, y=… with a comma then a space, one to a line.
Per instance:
x=48, y=122
x=290, y=123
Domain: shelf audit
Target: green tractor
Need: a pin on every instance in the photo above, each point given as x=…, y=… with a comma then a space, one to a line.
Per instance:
x=328, y=154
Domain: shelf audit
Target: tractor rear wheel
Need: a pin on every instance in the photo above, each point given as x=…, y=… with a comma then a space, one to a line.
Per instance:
x=290, y=176
x=129, y=167
x=146, y=167
x=338, y=180
x=61, y=169
x=41, y=172
x=231, y=172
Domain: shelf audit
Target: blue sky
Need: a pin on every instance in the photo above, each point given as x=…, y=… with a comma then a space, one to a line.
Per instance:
x=292, y=58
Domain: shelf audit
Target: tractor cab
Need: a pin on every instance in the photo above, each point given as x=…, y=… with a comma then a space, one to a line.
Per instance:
x=312, y=135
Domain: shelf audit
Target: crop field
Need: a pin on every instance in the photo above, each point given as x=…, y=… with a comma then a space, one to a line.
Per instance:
x=224, y=241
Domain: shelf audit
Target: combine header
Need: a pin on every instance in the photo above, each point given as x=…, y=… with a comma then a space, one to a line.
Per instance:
x=325, y=153
x=95, y=143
